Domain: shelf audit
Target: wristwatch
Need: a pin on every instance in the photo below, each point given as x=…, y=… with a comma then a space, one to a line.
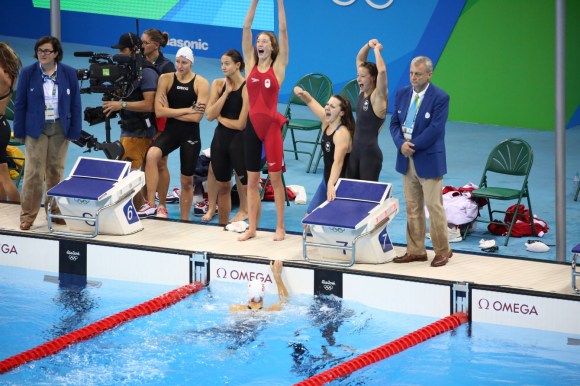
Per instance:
x=123, y=105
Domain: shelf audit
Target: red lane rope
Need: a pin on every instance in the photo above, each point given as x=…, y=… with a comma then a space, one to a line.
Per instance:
x=96, y=328
x=387, y=350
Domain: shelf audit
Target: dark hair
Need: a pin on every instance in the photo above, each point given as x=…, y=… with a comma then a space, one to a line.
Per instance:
x=372, y=68
x=347, y=118
x=9, y=61
x=275, y=45
x=56, y=46
x=157, y=36
x=236, y=57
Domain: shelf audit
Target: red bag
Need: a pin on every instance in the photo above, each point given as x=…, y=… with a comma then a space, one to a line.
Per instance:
x=522, y=226
x=269, y=193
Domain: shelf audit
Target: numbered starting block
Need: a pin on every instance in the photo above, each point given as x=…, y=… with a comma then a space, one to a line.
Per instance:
x=97, y=198
x=353, y=227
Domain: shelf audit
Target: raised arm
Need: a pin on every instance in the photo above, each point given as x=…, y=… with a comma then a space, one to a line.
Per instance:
x=312, y=103
x=380, y=95
x=247, y=42
x=282, y=59
x=363, y=54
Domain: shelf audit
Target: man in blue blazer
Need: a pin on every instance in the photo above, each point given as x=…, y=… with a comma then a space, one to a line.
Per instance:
x=418, y=131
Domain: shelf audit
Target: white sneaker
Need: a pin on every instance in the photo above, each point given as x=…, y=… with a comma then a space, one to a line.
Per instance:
x=454, y=235
x=162, y=212
x=146, y=211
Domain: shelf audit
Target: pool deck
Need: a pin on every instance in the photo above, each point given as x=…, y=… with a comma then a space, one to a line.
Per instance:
x=508, y=273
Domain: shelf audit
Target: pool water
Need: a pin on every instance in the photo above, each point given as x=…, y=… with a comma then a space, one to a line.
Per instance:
x=199, y=342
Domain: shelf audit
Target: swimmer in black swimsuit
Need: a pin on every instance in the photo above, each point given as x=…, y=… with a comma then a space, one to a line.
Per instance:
x=228, y=103
x=10, y=65
x=366, y=158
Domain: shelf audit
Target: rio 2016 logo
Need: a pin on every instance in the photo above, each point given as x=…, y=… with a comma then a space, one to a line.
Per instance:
x=345, y=3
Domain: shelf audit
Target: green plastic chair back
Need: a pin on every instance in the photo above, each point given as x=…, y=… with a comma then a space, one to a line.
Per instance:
x=350, y=92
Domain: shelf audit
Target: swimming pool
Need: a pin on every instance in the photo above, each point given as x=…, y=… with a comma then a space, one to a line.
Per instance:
x=198, y=341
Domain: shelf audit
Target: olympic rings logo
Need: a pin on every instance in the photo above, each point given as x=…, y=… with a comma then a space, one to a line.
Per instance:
x=82, y=201
x=336, y=229
x=369, y=2
x=328, y=287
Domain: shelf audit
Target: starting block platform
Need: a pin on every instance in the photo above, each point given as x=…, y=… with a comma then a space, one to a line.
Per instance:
x=97, y=198
x=356, y=222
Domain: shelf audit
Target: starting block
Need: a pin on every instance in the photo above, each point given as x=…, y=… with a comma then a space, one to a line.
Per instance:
x=97, y=198
x=356, y=222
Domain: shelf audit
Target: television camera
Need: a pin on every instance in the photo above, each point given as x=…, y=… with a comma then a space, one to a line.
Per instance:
x=112, y=76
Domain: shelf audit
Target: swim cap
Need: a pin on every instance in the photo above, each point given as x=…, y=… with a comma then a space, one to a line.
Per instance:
x=185, y=52
x=256, y=291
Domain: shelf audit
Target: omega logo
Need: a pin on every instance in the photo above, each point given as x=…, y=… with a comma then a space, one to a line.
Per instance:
x=344, y=3
x=513, y=308
x=8, y=249
x=234, y=274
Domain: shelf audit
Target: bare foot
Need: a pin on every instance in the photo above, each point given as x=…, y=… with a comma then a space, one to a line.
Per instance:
x=208, y=216
x=240, y=216
x=280, y=234
x=247, y=235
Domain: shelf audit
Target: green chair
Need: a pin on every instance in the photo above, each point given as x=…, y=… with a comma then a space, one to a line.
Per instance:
x=350, y=92
x=320, y=88
x=508, y=166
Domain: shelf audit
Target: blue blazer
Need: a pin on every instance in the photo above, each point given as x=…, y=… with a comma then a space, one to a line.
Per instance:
x=29, y=105
x=428, y=132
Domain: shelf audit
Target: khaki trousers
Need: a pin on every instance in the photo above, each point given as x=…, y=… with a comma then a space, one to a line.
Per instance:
x=418, y=193
x=45, y=161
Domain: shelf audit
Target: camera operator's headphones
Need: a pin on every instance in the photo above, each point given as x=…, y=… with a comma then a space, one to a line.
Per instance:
x=135, y=46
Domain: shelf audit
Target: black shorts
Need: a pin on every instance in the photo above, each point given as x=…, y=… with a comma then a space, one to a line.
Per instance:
x=255, y=154
x=228, y=151
x=188, y=142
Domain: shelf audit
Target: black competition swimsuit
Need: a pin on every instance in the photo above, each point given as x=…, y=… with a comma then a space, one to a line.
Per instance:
x=328, y=154
x=180, y=134
x=228, y=145
x=5, y=133
x=366, y=158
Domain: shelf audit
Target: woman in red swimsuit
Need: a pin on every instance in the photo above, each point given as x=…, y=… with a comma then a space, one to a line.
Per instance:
x=266, y=65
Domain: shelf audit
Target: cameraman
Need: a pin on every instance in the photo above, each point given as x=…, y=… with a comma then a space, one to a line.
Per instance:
x=137, y=108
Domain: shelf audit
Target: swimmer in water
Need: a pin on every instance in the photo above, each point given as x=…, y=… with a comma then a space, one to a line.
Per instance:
x=257, y=288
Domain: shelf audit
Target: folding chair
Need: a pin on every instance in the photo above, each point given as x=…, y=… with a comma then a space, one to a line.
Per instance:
x=319, y=87
x=511, y=158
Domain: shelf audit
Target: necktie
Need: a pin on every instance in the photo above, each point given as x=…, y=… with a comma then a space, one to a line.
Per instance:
x=412, y=113
x=410, y=119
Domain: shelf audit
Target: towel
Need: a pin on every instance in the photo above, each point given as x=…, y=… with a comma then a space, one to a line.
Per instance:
x=237, y=226
x=300, y=193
